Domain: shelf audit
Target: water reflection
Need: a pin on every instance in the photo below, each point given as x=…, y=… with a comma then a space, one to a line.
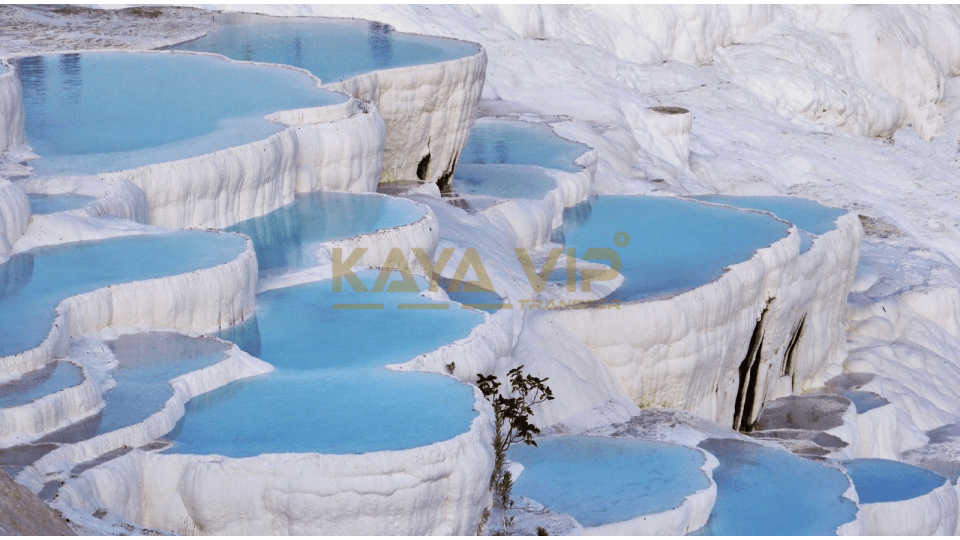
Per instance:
x=276, y=238
x=72, y=77
x=502, y=151
x=246, y=336
x=297, y=50
x=380, y=41
x=32, y=71
x=572, y=217
x=287, y=238
x=330, y=49
x=15, y=274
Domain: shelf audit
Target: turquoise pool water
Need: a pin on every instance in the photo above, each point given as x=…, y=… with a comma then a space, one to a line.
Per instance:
x=502, y=181
x=603, y=480
x=51, y=204
x=761, y=491
x=519, y=143
x=287, y=238
x=884, y=480
x=672, y=245
x=35, y=282
x=331, y=49
x=329, y=392
x=147, y=364
x=106, y=111
x=810, y=217
x=36, y=384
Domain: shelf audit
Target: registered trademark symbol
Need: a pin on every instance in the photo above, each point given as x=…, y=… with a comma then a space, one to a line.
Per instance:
x=621, y=239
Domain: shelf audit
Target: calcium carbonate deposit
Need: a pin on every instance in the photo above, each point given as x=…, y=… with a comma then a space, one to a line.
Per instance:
x=258, y=263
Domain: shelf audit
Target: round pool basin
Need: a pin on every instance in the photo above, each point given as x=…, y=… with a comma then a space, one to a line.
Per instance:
x=331, y=49
x=665, y=245
x=600, y=481
x=95, y=112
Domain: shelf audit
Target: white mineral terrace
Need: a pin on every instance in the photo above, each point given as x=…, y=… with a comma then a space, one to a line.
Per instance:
x=787, y=376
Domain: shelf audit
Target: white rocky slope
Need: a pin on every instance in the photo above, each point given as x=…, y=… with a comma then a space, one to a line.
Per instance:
x=851, y=106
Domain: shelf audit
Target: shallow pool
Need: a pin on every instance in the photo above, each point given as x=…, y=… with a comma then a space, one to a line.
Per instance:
x=35, y=282
x=51, y=204
x=147, y=364
x=329, y=392
x=502, y=181
x=761, y=491
x=865, y=401
x=287, y=238
x=107, y=111
x=519, y=143
x=666, y=245
x=809, y=216
x=884, y=480
x=331, y=49
x=603, y=480
x=36, y=384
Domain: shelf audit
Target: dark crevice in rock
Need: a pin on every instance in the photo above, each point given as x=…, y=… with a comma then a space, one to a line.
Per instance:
x=789, y=357
x=743, y=414
x=423, y=167
x=445, y=180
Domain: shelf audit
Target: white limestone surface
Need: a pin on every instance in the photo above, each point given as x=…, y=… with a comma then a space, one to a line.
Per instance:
x=479, y=352
x=684, y=351
x=435, y=489
x=238, y=183
x=533, y=220
x=25, y=423
x=423, y=234
x=12, y=119
x=336, y=147
x=57, y=464
x=665, y=128
x=202, y=300
x=14, y=215
x=117, y=198
x=428, y=110
x=819, y=282
x=886, y=432
x=931, y=514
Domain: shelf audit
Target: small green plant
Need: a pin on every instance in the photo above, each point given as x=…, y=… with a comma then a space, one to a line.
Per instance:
x=451, y=366
x=512, y=422
x=542, y=532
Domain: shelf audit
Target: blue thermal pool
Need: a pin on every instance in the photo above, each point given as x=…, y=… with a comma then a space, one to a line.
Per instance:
x=761, y=491
x=51, y=204
x=36, y=384
x=287, y=238
x=107, y=111
x=331, y=49
x=811, y=218
x=503, y=181
x=330, y=392
x=884, y=480
x=672, y=245
x=519, y=143
x=33, y=283
x=147, y=364
x=865, y=401
x=601, y=480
